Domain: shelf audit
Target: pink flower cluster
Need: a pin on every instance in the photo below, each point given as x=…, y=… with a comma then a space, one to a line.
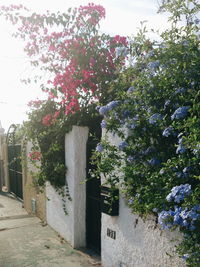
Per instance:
x=93, y=13
x=35, y=103
x=80, y=60
x=35, y=155
x=49, y=119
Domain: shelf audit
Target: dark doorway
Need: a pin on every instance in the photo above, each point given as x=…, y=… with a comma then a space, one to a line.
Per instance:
x=93, y=208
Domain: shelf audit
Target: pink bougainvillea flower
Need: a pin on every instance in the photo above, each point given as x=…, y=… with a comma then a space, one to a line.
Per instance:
x=35, y=155
x=47, y=120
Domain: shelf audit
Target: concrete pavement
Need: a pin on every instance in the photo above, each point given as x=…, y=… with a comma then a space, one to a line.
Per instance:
x=26, y=241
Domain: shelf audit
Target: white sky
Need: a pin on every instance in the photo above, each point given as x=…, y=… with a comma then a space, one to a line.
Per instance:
x=122, y=17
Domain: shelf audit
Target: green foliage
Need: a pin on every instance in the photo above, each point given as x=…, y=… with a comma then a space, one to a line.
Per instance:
x=49, y=142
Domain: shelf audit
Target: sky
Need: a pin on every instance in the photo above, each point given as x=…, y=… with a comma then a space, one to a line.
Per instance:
x=123, y=17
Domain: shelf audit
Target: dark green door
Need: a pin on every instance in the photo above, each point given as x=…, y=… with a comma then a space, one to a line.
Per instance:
x=93, y=210
x=15, y=170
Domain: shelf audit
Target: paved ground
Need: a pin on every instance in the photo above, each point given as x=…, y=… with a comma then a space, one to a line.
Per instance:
x=25, y=241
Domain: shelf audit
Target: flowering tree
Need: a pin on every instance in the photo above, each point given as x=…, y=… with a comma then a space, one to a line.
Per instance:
x=68, y=45
x=156, y=114
x=80, y=62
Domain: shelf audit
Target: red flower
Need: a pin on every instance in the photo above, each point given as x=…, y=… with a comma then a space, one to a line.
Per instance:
x=35, y=155
x=47, y=120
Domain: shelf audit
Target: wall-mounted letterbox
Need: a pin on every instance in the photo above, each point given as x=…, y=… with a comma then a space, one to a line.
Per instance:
x=110, y=201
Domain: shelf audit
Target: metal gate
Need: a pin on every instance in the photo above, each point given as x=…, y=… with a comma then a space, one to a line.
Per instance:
x=93, y=203
x=14, y=162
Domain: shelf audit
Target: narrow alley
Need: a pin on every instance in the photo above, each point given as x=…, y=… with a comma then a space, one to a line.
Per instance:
x=27, y=241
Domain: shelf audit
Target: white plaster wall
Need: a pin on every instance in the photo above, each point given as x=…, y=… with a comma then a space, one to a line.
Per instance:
x=72, y=226
x=138, y=243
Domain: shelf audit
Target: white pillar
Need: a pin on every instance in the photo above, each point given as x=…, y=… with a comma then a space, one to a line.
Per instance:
x=72, y=226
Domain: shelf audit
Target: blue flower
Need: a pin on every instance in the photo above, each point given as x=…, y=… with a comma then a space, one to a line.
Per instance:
x=185, y=42
x=180, y=140
x=180, y=91
x=103, y=124
x=112, y=104
x=187, y=169
x=149, y=150
x=185, y=218
x=181, y=175
x=123, y=145
x=165, y=219
x=130, y=159
x=121, y=51
x=132, y=125
x=168, y=131
x=162, y=171
x=185, y=256
x=196, y=21
x=131, y=200
x=103, y=110
x=177, y=216
x=155, y=210
x=154, y=162
x=153, y=64
x=167, y=103
x=99, y=148
x=126, y=113
x=180, y=113
x=154, y=118
x=178, y=193
x=150, y=54
x=189, y=217
x=180, y=149
x=197, y=149
x=131, y=89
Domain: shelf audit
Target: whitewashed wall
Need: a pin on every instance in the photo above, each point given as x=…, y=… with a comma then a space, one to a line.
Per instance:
x=72, y=226
x=138, y=243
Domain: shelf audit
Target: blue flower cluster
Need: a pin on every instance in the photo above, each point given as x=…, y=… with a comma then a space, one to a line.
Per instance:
x=154, y=162
x=99, y=148
x=181, y=148
x=131, y=89
x=167, y=103
x=105, y=109
x=153, y=64
x=197, y=149
x=165, y=219
x=181, y=174
x=180, y=91
x=155, y=118
x=103, y=124
x=123, y=145
x=168, y=131
x=178, y=193
x=121, y=51
x=196, y=21
x=186, y=256
x=182, y=217
x=130, y=159
x=180, y=113
x=149, y=150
